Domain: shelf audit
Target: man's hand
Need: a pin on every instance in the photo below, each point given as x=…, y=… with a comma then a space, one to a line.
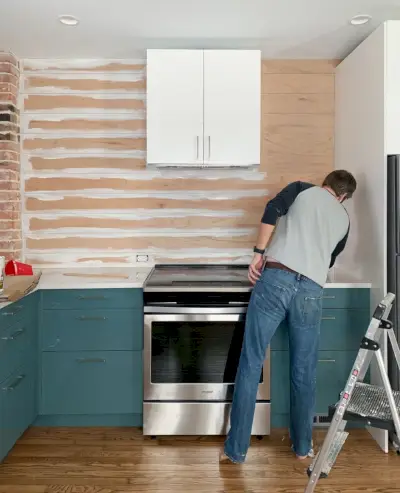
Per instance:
x=255, y=268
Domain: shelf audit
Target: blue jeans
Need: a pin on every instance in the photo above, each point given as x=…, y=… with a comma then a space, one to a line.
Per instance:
x=278, y=295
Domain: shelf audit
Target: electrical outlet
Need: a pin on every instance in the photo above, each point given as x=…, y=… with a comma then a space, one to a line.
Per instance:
x=142, y=258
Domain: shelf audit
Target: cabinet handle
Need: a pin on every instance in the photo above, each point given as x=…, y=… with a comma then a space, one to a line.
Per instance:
x=209, y=147
x=329, y=297
x=90, y=360
x=10, y=314
x=85, y=319
x=197, y=147
x=328, y=318
x=15, y=384
x=55, y=344
x=13, y=336
x=326, y=361
x=81, y=297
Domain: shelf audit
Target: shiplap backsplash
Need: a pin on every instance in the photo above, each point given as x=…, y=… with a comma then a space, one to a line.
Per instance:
x=88, y=197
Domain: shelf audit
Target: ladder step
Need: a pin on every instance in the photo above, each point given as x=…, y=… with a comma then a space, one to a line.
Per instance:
x=369, y=404
x=334, y=450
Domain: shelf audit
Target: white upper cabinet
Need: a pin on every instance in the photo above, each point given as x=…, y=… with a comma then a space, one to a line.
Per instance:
x=174, y=107
x=232, y=95
x=203, y=107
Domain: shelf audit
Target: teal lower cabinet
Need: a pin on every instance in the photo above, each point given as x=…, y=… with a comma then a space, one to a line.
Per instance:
x=74, y=358
x=91, y=382
x=332, y=372
x=91, y=345
x=345, y=318
x=18, y=370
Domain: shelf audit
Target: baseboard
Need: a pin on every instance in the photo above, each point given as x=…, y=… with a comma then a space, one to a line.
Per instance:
x=89, y=420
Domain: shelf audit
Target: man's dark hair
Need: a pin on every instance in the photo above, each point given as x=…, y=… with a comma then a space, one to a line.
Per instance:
x=341, y=182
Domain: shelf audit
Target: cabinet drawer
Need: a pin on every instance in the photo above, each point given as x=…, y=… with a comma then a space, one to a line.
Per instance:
x=332, y=373
x=346, y=298
x=25, y=308
x=92, y=298
x=90, y=330
x=95, y=382
x=13, y=341
x=17, y=406
x=340, y=330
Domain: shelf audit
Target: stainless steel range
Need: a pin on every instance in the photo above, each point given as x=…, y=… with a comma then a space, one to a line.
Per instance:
x=193, y=332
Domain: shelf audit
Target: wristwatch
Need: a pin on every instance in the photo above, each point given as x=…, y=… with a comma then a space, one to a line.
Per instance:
x=257, y=250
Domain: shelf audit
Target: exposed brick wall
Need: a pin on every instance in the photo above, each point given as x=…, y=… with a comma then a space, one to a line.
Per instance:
x=10, y=198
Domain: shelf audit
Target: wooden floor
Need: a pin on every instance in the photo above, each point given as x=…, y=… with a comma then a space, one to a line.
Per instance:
x=107, y=460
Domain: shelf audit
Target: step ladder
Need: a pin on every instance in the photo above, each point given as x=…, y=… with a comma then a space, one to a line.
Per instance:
x=377, y=407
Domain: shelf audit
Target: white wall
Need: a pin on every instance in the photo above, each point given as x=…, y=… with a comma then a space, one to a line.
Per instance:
x=392, y=87
x=360, y=148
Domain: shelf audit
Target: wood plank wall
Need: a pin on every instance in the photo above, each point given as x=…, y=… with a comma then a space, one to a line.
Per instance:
x=88, y=197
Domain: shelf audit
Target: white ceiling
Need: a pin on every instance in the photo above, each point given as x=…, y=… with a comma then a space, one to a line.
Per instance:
x=122, y=28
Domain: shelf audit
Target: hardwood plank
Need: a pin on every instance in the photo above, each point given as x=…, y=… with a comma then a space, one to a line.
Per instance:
x=47, y=102
x=141, y=243
x=167, y=184
x=191, y=222
x=299, y=66
x=298, y=103
x=75, y=124
x=298, y=84
x=82, y=203
x=120, y=460
x=48, y=83
x=61, y=163
x=116, y=143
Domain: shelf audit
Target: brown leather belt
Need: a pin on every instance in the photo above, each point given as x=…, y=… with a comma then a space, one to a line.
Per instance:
x=277, y=265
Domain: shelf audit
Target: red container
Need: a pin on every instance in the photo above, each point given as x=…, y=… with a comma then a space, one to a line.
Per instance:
x=14, y=268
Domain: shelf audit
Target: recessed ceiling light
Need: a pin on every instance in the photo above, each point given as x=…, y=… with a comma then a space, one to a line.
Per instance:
x=359, y=20
x=68, y=20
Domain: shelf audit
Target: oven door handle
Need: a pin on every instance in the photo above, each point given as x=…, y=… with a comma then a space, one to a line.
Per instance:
x=195, y=310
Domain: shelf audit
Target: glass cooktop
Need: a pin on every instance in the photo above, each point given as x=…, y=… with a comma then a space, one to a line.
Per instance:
x=185, y=276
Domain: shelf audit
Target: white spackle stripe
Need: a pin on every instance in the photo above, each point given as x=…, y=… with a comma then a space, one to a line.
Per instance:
x=141, y=233
x=150, y=174
x=111, y=76
x=79, y=64
x=190, y=195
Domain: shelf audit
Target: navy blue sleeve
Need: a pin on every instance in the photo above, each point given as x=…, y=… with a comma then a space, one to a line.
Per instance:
x=280, y=204
x=339, y=248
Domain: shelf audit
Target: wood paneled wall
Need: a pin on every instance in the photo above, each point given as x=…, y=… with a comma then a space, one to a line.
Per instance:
x=10, y=198
x=89, y=197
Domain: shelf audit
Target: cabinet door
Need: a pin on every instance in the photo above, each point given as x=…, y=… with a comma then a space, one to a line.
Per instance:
x=232, y=105
x=17, y=404
x=175, y=107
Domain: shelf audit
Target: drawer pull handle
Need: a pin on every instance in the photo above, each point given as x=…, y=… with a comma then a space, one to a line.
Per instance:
x=328, y=318
x=85, y=319
x=14, y=312
x=90, y=360
x=326, y=361
x=14, y=385
x=329, y=297
x=14, y=336
x=81, y=297
x=55, y=344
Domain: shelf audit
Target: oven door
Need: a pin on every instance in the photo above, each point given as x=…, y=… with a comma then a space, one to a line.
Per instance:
x=194, y=357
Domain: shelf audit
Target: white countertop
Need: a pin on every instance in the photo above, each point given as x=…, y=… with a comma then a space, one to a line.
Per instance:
x=134, y=277
x=61, y=278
